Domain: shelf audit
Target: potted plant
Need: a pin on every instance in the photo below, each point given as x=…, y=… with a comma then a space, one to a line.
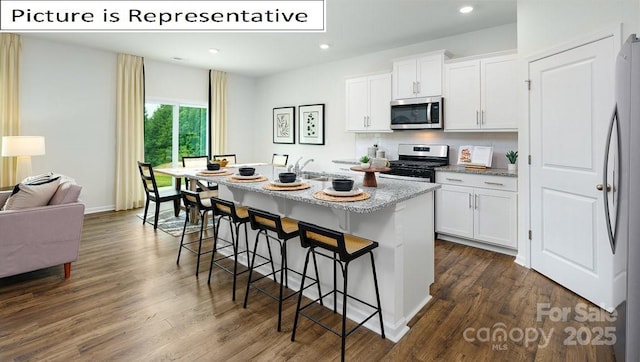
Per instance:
x=512, y=156
x=365, y=161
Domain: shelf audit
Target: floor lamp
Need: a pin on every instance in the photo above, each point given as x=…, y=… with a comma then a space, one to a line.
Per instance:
x=22, y=147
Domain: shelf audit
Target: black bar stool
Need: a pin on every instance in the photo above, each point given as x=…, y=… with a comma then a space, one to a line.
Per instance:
x=345, y=248
x=236, y=216
x=285, y=229
x=201, y=202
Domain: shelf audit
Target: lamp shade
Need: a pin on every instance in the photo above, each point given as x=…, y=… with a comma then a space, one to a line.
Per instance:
x=22, y=146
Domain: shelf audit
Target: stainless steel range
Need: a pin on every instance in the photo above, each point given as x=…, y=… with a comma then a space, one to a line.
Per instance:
x=417, y=162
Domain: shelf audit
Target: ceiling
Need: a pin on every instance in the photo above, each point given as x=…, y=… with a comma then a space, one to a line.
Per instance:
x=354, y=27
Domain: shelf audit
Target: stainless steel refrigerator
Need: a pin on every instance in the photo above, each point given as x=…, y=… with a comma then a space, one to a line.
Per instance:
x=622, y=197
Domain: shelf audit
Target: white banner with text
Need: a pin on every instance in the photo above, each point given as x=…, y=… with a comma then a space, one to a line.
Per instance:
x=209, y=15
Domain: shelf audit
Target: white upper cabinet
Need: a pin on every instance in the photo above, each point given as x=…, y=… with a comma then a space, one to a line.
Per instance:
x=481, y=94
x=418, y=77
x=368, y=103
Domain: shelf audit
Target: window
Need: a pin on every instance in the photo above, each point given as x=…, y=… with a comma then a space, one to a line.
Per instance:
x=171, y=131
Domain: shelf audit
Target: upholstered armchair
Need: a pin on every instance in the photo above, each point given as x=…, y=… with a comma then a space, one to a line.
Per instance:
x=39, y=237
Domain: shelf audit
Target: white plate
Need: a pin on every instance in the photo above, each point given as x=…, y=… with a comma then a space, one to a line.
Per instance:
x=209, y=172
x=297, y=182
x=252, y=177
x=331, y=192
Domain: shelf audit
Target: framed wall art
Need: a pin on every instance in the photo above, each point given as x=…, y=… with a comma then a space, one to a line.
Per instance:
x=284, y=124
x=311, y=124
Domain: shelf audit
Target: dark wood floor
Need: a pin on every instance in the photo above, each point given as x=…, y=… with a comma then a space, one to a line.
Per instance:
x=127, y=300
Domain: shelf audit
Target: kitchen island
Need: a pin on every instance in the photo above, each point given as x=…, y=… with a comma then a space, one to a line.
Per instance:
x=399, y=215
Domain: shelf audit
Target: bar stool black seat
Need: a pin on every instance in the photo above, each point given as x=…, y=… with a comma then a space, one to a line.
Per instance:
x=285, y=229
x=202, y=203
x=344, y=248
x=237, y=216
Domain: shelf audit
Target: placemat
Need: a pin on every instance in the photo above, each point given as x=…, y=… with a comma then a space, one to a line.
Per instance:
x=320, y=195
x=214, y=173
x=259, y=179
x=272, y=187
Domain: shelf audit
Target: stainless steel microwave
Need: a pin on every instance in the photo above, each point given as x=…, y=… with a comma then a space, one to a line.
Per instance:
x=417, y=113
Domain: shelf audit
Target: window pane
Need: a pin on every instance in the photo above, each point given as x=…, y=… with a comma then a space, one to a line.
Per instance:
x=158, y=124
x=193, y=131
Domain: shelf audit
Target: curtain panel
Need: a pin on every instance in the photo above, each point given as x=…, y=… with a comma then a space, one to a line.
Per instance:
x=10, y=51
x=129, y=131
x=218, y=112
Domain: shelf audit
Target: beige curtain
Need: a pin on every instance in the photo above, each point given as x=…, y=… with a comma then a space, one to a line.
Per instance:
x=10, y=49
x=218, y=111
x=129, y=131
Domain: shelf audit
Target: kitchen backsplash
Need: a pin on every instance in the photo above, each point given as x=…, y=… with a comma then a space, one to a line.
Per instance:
x=502, y=142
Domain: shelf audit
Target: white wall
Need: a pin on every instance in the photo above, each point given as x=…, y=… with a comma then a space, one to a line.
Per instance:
x=544, y=24
x=325, y=84
x=68, y=96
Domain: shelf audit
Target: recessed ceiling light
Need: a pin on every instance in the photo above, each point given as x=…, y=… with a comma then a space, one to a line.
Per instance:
x=214, y=51
x=324, y=46
x=466, y=9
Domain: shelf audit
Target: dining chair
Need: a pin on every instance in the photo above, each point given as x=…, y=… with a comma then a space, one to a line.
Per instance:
x=197, y=162
x=156, y=195
x=279, y=159
x=231, y=158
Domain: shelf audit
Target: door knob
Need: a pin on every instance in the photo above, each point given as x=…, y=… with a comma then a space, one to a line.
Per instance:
x=599, y=187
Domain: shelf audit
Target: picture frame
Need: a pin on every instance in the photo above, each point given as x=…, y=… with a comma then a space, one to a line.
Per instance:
x=284, y=125
x=311, y=124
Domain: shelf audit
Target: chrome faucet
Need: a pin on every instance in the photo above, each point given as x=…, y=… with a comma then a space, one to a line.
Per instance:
x=296, y=168
x=306, y=163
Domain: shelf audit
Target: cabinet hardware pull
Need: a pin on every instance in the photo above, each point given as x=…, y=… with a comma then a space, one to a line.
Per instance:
x=477, y=117
x=482, y=117
x=599, y=187
x=413, y=87
x=494, y=183
x=419, y=87
x=476, y=203
x=470, y=200
x=364, y=121
x=454, y=179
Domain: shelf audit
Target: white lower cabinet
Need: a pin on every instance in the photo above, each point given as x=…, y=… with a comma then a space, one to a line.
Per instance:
x=477, y=207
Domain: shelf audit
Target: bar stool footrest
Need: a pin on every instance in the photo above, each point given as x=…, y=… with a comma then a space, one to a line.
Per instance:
x=319, y=299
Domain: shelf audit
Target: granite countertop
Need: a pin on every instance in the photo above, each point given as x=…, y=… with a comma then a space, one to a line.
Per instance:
x=489, y=171
x=388, y=192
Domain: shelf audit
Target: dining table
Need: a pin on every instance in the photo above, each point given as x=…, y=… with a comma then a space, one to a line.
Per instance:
x=192, y=174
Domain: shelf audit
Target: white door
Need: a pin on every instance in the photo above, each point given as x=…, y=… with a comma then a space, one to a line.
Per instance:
x=570, y=103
